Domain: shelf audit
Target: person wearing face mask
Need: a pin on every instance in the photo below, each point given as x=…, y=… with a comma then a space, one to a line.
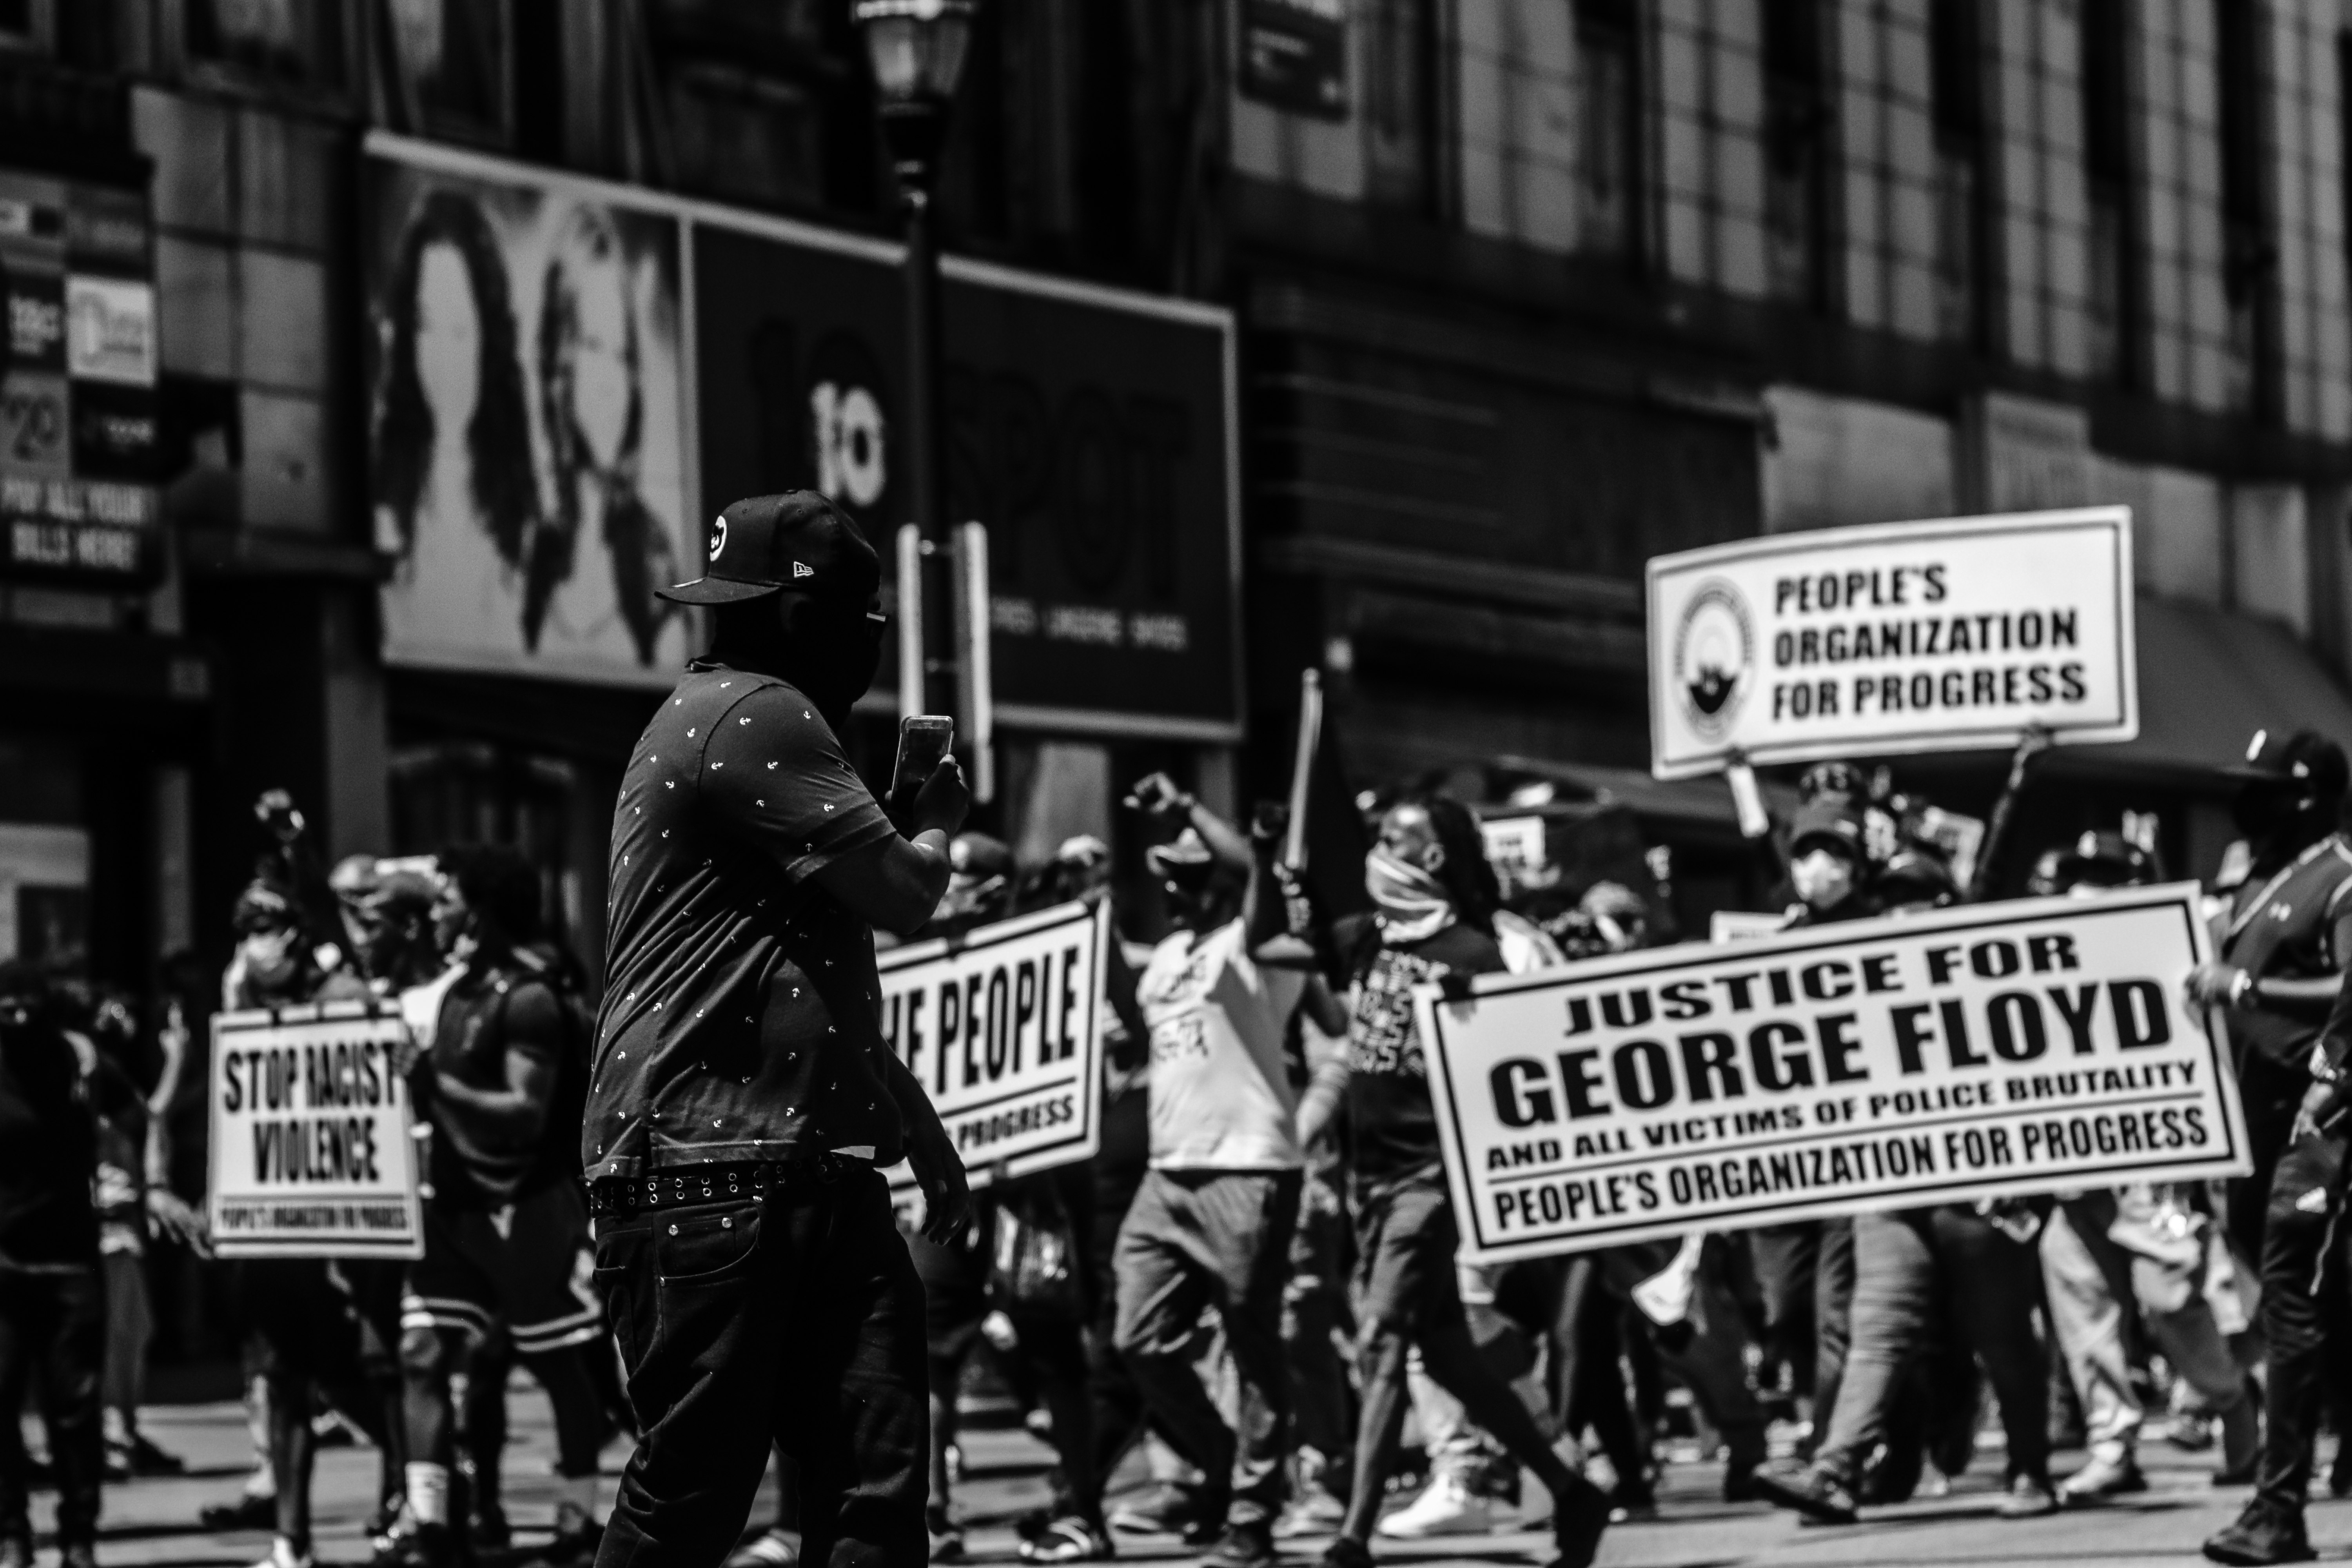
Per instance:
x=1435, y=896
x=1211, y=1223
x=743, y=1099
x=497, y=1076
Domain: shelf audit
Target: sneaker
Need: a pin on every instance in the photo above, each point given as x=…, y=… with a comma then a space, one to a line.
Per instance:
x=1445, y=1507
x=77, y=1554
x=424, y=1546
x=1808, y=1491
x=487, y=1530
x=2263, y=1533
x=282, y=1554
x=577, y=1536
x=1069, y=1539
x=1344, y=1552
x=142, y=1458
x=1171, y=1509
x=1311, y=1512
x=774, y=1548
x=2029, y=1496
x=1578, y=1521
x=1246, y=1544
x=250, y=1512
x=2102, y=1478
x=1632, y=1505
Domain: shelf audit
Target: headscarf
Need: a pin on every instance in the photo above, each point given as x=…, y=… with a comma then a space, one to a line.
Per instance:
x=1414, y=905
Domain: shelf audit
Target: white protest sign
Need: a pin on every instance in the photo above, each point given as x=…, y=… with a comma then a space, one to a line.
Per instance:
x=1986, y=1051
x=311, y=1155
x=1000, y=1028
x=1744, y=925
x=1897, y=637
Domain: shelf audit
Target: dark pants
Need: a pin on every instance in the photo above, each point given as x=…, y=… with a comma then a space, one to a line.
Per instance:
x=326, y=1331
x=1198, y=1238
x=53, y=1337
x=794, y=1318
x=1906, y=1265
x=2301, y=1238
x=1805, y=1274
x=1315, y=1309
x=2270, y=1094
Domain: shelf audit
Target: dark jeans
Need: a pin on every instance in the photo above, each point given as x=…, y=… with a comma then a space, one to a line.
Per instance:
x=53, y=1335
x=1315, y=1309
x=1197, y=1238
x=1805, y=1274
x=2302, y=1247
x=1907, y=1265
x=2270, y=1095
x=796, y=1319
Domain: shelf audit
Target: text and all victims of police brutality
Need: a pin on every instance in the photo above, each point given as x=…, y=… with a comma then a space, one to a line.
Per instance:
x=1002, y=1029
x=1995, y=1050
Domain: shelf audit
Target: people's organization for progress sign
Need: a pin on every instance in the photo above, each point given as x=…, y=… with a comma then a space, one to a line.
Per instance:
x=1983, y=1052
x=1000, y=1028
x=311, y=1155
x=1897, y=637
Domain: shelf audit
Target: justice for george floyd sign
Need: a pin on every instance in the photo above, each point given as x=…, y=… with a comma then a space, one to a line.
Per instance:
x=311, y=1155
x=1000, y=1028
x=1990, y=1051
x=1897, y=637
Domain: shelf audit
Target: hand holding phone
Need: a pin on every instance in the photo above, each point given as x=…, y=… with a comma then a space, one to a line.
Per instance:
x=927, y=787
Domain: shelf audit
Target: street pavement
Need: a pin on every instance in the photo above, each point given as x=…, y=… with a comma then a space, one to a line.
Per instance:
x=153, y=1522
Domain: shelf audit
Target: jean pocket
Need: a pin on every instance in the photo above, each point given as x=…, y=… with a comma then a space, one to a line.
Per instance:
x=708, y=1247
x=624, y=1280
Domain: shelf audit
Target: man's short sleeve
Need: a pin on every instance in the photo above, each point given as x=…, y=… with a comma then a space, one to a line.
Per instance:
x=774, y=775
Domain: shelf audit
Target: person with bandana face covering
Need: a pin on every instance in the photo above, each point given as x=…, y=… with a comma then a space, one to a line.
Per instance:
x=2288, y=936
x=1435, y=896
x=743, y=1099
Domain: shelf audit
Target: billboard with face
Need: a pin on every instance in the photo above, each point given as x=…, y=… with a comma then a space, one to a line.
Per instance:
x=527, y=428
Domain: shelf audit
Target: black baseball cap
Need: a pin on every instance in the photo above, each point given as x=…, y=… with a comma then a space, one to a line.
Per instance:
x=2274, y=757
x=797, y=542
x=1830, y=817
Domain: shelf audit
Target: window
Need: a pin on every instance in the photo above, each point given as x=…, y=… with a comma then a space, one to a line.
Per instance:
x=29, y=23
x=2250, y=255
x=447, y=69
x=1957, y=106
x=1609, y=128
x=762, y=101
x=2107, y=171
x=1400, y=102
x=1796, y=153
x=285, y=44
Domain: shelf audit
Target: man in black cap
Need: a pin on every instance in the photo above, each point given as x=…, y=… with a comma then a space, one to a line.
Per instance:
x=741, y=1097
x=2283, y=956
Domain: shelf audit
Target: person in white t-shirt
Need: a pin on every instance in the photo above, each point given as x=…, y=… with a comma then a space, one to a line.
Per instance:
x=1211, y=1223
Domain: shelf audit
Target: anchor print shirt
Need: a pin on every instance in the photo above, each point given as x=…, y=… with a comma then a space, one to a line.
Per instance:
x=740, y=1018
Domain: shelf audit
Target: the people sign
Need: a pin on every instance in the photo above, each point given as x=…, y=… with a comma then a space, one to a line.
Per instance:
x=1982, y=1052
x=1000, y=1028
x=311, y=1155
x=1897, y=637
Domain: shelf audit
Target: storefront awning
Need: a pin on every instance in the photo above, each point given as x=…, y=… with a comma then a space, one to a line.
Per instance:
x=2208, y=680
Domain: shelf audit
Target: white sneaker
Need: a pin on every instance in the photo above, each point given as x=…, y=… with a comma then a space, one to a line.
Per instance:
x=1446, y=1507
x=772, y=1549
x=281, y=1554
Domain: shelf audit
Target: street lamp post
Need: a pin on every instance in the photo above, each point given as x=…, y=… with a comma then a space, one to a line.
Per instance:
x=917, y=50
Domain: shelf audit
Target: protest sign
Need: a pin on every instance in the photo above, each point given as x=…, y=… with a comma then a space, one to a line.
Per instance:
x=311, y=1155
x=1000, y=1028
x=1986, y=1051
x=1897, y=637
x=1744, y=925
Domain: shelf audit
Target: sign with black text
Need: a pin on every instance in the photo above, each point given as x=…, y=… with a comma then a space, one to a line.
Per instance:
x=1894, y=638
x=1986, y=1051
x=312, y=1153
x=1000, y=1028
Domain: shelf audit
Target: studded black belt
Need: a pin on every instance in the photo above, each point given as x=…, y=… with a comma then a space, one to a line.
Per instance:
x=682, y=1186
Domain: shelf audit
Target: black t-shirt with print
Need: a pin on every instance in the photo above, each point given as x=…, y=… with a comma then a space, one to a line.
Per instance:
x=1392, y=1124
x=487, y=1014
x=741, y=1007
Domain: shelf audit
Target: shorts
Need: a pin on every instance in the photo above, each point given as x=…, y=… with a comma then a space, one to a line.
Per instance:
x=527, y=1266
x=1405, y=1238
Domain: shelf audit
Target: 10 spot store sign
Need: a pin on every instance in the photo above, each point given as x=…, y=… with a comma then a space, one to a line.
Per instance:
x=312, y=1149
x=1002, y=1027
x=1897, y=637
x=1991, y=1051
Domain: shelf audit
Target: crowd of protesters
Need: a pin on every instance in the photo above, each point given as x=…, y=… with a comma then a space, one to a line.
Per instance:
x=1255, y=1276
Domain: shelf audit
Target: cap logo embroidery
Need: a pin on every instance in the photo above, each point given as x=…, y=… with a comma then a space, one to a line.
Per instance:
x=718, y=536
x=800, y=569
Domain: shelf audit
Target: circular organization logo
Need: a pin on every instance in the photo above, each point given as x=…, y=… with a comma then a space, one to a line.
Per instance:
x=1715, y=647
x=718, y=536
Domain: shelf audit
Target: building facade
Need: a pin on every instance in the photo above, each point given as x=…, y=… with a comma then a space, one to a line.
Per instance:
x=1505, y=296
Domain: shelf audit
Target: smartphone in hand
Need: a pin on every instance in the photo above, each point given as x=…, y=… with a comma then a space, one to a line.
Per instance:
x=924, y=740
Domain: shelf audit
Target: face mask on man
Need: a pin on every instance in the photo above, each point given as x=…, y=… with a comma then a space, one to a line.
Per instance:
x=1823, y=878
